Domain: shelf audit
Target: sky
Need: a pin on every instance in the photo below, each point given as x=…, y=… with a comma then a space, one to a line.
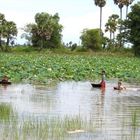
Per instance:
x=75, y=15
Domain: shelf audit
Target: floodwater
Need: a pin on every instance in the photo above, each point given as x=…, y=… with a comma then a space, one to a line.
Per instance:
x=114, y=113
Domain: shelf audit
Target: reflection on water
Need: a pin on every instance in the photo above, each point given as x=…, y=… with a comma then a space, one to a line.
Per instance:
x=115, y=115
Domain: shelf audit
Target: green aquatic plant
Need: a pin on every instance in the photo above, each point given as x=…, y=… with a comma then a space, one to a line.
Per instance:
x=49, y=128
x=6, y=111
x=44, y=68
x=133, y=123
x=134, y=119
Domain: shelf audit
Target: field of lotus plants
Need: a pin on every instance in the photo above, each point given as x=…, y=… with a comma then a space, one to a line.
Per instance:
x=44, y=67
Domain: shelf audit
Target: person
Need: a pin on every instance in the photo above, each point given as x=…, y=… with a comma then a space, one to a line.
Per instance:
x=103, y=84
x=4, y=79
x=120, y=86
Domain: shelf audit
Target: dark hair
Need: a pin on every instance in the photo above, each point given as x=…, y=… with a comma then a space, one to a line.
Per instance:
x=119, y=82
x=103, y=71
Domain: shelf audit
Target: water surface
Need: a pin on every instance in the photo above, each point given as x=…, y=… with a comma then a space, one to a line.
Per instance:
x=112, y=112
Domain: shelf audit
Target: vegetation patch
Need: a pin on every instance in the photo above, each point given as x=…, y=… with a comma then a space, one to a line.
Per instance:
x=6, y=112
x=45, y=67
x=51, y=128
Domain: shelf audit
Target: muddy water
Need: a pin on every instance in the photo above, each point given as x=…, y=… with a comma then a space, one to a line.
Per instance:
x=115, y=114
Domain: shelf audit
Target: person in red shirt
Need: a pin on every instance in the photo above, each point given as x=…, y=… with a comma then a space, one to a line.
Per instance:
x=103, y=84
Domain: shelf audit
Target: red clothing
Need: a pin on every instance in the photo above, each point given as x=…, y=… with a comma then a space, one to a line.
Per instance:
x=102, y=84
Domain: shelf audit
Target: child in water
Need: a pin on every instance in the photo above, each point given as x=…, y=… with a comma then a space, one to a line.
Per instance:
x=4, y=79
x=103, y=79
x=119, y=87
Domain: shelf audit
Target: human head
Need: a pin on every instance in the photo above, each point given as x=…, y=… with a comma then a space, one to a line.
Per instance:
x=103, y=71
x=119, y=83
x=5, y=77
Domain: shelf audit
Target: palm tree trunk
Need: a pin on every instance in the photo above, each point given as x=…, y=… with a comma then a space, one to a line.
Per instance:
x=0, y=42
x=110, y=35
x=110, y=42
x=121, y=13
x=100, y=20
x=7, y=42
x=121, y=26
x=126, y=11
x=113, y=38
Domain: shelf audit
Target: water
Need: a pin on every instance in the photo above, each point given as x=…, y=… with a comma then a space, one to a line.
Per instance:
x=112, y=112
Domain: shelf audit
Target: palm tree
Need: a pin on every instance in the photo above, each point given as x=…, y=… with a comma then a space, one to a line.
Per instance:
x=2, y=20
x=101, y=4
x=127, y=3
x=10, y=31
x=111, y=25
x=120, y=4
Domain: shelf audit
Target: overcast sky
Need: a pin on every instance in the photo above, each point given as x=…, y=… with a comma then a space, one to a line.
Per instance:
x=75, y=15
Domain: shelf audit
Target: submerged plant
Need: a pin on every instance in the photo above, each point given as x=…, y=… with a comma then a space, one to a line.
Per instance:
x=51, y=128
x=6, y=111
x=134, y=119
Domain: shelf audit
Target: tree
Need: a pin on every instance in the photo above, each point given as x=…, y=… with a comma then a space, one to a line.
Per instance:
x=2, y=20
x=101, y=4
x=91, y=39
x=10, y=31
x=45, y=32
x=27, y=33
x=111, y=25
x=127, y=3
x=133, y=27
x=120, y=4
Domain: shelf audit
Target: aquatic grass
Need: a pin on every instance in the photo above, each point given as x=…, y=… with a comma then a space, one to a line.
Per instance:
x=50, y=128
x=134, y=119
x=6, y=112
x=133, y=124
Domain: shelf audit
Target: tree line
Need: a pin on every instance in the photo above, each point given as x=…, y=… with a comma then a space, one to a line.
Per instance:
x=122, y=31
x=46, y=32
x=8, y=32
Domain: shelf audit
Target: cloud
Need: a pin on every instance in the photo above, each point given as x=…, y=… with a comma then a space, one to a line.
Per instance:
x=74, y=25
x=74, y=15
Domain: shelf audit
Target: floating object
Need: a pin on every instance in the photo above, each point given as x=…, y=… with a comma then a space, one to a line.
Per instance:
x=76, y=131
x=121, y=88
x=116, y=88
x=96, y=85
x=5, y=83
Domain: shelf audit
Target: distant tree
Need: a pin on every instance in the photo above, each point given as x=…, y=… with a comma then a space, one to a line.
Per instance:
x=70, y=43
x=127, y=3
x=2, y=20
x=120, y=4
x=45, y=32
x=74, y=46
x=111, y=25
x=56, y=38
x=91, y=39
x=105, y=42
x=27, y=33
x=10, y=31
x=133, y=27
x=101, y=4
